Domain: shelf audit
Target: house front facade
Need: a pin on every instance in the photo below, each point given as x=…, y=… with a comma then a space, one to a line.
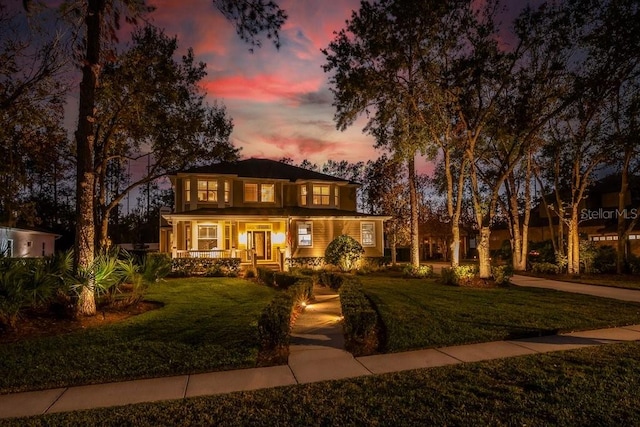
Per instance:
x=265, y=213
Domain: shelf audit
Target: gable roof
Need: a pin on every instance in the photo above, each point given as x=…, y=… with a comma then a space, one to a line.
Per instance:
x=264, y=168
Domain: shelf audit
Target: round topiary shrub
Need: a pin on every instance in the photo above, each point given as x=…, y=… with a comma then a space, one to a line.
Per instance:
x=344, y=252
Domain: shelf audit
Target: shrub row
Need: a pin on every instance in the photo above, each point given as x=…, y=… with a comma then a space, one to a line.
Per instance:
x=274, y=326
x=330, y=279
x=420, y=272
x=545, y=268
x=360, y=319
x=313, y=262
x=212, y=267
x=455, y=276
x=316, y=263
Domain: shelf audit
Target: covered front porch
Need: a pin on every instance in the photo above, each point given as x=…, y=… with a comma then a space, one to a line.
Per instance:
x=255, y=241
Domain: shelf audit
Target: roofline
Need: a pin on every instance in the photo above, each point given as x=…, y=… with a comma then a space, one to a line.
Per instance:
x=170, y=217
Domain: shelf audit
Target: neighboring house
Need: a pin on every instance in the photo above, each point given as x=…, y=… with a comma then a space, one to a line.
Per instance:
x=26, y=243
x=263, y=211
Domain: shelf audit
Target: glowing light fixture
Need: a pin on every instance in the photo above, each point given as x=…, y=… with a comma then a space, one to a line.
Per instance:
x=277, y=238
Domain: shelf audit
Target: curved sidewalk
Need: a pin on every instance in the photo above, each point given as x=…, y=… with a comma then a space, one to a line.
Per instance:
x=316, y=354
x=578, y=288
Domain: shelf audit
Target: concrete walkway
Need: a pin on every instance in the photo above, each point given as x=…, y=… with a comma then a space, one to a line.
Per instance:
x=316, y=354
x=578, y=288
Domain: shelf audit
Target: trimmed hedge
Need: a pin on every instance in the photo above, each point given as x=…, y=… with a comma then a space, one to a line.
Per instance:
x=183, y=267
x=266, y=276
x=330, y=279
x=360, y=319
x=457, y=276
x=545, y=268
x=274, y=326
x=420, y=272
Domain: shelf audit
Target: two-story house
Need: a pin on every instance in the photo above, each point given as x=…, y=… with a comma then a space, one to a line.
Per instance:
x=264, y=210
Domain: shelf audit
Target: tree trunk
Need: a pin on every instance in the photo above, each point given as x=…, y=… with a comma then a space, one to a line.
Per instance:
x=103, y=232
x=455, y=245
x=85, y=177
x=484, y=256
x=573, y=247
x=622, y=223
x=413, y=200
x=394, y=244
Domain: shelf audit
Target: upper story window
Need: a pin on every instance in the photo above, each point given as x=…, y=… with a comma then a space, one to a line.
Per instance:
x=187, y=190
x=367, y=234
x=321, y=194
x=303, y=195
x=267, y=193
x=264, y=193
x=207, y=190
x=250, y=192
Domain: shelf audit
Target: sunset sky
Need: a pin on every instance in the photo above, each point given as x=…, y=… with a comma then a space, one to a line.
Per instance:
x=279, y=99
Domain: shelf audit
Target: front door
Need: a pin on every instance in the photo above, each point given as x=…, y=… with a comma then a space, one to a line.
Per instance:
x=261, y=242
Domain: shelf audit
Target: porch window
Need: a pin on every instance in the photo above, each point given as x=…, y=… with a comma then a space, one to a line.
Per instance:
x=321, y=195
x=303, y=195
x=207, y=190
x=250, y=192
x=305, y=234
x=187, y=190
x=267, y=193
x=207, y=237
x=227, y=236
x=367, y=234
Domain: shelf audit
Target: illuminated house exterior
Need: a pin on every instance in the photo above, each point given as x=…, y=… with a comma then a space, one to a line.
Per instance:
x=264, y=209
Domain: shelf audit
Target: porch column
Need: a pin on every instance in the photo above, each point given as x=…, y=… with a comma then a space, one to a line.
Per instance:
x=194, y=236
x=174, y=239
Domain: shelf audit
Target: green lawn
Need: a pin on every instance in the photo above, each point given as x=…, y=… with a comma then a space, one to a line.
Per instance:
x=422, y=313
x=206, y=324
x=593, y=386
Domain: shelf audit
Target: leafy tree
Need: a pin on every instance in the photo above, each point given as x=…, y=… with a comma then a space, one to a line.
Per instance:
x=603, y=59
x=100, y=19
x=386, y=193
x=378, y=64
x=150, y=104
x=32, y=139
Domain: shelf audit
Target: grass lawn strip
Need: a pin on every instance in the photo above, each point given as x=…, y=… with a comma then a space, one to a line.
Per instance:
x=592, y=386
x=206, y=324
x=422, y=314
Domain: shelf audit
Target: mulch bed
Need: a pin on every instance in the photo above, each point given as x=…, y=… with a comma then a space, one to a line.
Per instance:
x=34, y=324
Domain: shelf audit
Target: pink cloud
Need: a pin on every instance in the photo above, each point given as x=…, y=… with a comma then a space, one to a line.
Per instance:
x=261, y=88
